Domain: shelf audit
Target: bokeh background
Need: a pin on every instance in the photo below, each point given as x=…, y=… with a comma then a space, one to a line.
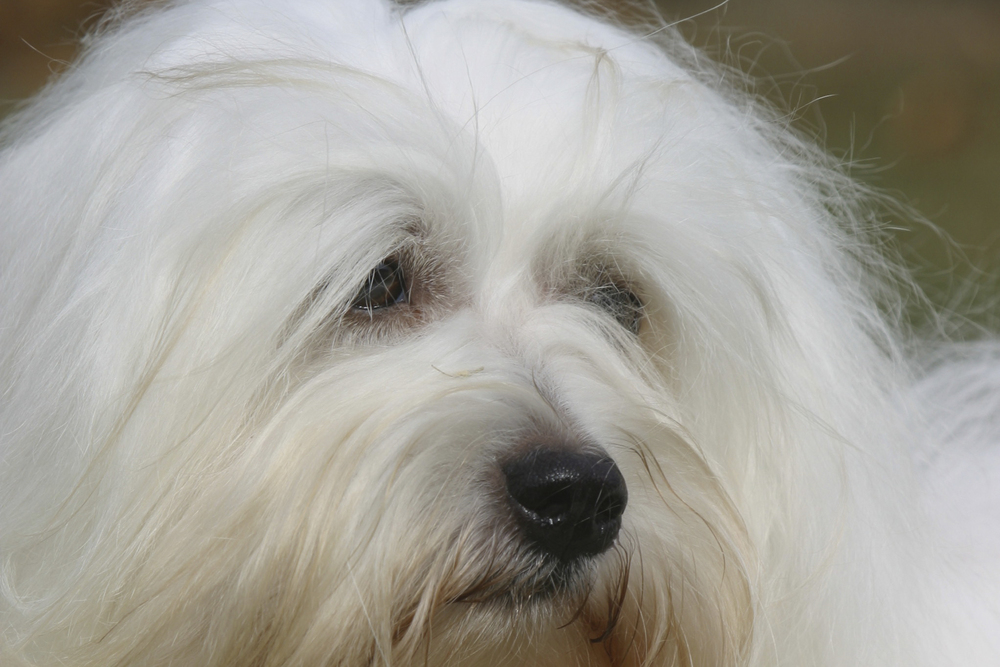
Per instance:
x=907, y=90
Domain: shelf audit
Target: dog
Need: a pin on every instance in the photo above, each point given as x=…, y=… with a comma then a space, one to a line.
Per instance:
x=470, y=332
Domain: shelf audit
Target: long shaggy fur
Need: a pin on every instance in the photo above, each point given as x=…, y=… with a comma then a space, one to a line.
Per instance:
x=209, y=457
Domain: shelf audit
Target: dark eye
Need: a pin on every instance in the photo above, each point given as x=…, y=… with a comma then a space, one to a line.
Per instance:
x=619, y=302
x=384, y=287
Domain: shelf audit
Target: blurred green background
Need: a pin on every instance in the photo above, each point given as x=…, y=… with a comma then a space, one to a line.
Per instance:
x=907, y=90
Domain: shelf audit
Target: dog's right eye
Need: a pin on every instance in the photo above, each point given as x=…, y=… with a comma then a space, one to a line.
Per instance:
x=385, y=287
x=621, y=303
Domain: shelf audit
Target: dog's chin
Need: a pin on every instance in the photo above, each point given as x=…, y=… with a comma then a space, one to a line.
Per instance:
x=583, y=599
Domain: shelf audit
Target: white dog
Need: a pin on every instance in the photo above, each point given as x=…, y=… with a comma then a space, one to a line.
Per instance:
x=478, y=332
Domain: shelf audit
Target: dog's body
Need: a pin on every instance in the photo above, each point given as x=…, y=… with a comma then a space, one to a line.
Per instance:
x=312, y=309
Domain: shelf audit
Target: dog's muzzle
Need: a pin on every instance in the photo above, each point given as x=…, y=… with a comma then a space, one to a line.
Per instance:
x=568, y=503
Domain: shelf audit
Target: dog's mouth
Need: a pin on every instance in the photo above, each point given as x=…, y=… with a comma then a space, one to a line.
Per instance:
x=543, y=545
x=541, y=579
x=516, y=589
x=515, y=576
x=589, y=590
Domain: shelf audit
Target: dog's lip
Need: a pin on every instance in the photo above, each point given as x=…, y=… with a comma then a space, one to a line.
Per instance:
x=551, y=579
x=515, y=572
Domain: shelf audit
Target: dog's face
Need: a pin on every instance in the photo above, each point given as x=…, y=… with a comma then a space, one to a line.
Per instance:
x=455, y=335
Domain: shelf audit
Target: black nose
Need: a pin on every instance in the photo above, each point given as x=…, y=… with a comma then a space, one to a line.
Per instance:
x=568, y=503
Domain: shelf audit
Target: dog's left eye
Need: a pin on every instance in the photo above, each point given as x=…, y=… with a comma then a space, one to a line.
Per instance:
x=621, y=303
x=385, y=287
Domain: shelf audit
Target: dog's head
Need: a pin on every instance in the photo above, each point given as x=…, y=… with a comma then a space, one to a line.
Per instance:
x=471, y=333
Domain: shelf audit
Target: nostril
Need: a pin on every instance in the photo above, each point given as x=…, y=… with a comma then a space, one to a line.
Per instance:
x=610, y=506
x=549, y=502
x=568, y=503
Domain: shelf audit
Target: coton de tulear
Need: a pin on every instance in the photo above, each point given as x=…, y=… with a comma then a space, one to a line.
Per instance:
x=474, y=332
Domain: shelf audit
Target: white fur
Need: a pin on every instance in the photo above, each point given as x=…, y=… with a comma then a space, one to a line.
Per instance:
x=205, y=462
